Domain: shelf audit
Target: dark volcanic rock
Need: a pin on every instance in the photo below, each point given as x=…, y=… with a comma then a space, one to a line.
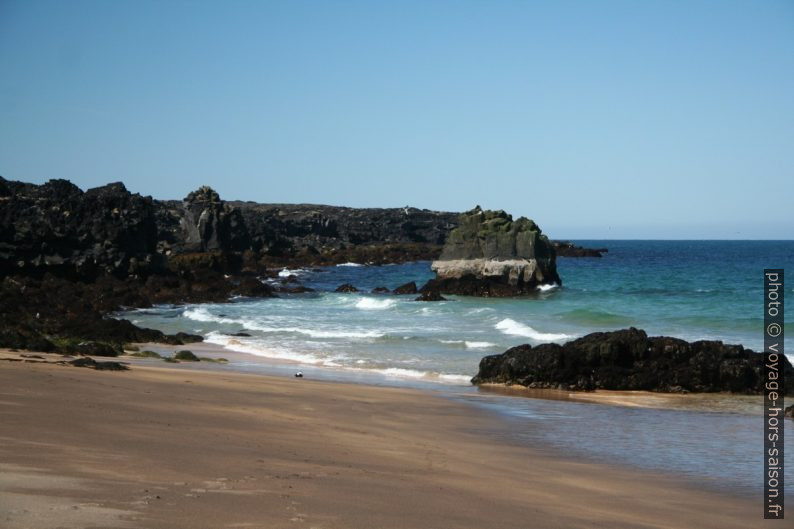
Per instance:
x=210, y=224
x=431, y=295
x=69, y=257
x=58, y=228
x=253, y=287
x=630, y=360
x=408, y=288
x=346, y=288
x=181, y=338
x=300, y=289
x=490, y=254
x=380, y=290
x=99, y=366
x=186, y=356
x=309, y=234
x=52, y=314
x=91, y=348
x=568, y=249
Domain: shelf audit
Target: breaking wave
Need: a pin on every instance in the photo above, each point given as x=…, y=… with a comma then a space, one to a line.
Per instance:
x=514, y=328
x=203, y=315
x=470, y=344
x=374, y=304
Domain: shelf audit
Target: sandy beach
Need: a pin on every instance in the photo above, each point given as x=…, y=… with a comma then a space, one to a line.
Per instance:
x=174, y=447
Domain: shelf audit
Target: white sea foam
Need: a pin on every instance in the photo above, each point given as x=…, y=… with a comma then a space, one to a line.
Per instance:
x=202, y=314
x=512, y=327
x=350, y=264
x=398, y=372
x=235, y=344
x=314, y=333
x=286, y=272
x=455, y=378
x=469, y=344
x=337, y=334
x=546, y=288
x=479, y=345
x=373, y=303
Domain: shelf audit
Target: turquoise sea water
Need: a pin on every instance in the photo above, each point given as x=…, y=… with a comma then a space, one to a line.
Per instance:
x=688, y=289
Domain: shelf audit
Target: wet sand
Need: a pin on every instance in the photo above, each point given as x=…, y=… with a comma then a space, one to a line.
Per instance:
x=173, y=447
x=701, y=402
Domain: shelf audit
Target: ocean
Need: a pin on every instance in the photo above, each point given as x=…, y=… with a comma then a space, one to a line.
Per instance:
x=687, y=289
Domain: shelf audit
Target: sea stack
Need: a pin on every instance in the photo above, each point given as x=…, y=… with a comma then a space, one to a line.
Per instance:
x=489, y=254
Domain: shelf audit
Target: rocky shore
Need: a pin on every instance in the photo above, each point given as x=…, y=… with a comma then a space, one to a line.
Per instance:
x=631, y=360
x=69, y=257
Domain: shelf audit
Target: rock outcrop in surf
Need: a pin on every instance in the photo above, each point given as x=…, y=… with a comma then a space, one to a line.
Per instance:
x=630, y=360
x=490, y=254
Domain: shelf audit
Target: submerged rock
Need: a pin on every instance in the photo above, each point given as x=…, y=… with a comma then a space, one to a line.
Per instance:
x=408, y=288
x=380, y=290
x=300, y=289
x=629, y=360
x=490, y=254
x=253, y=287
x=431, y=295
x=346, y=288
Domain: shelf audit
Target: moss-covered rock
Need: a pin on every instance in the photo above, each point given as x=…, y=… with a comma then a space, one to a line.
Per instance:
x=186, y=356
x=490, y=254
x=146, y=354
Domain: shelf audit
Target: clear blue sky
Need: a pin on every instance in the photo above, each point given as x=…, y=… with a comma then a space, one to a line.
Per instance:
x=635, y=119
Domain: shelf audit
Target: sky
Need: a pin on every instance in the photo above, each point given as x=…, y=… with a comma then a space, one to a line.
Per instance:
x=610, y=119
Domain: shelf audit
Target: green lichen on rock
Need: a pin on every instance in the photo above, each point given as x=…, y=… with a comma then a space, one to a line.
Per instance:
x=186, y=356
x=495, y=235
x=145, y=354
x=490, y=254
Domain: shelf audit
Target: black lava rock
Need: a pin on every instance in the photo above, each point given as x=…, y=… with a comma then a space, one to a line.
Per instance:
x=630, y=360
x=408, y=288
x=431, y=295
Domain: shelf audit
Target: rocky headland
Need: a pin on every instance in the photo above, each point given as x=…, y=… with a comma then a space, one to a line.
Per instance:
x=631, y=360
x=69, y=257
x=490, y=254
x=569, y=249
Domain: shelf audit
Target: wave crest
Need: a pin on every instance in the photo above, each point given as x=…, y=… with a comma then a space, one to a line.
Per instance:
x=514, y=328
x=374, y=304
